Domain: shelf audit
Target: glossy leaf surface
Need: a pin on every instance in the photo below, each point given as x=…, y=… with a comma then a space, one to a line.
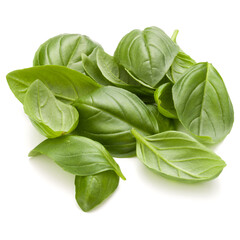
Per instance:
x=78, y=155
x=202, y=103
x=109, y=114
x=164, y=100
x=92, y=190
x=180, y=64
x=66, y=84
x=51, y=117
x=147, y=54
x=65, y=50
x=178, y=156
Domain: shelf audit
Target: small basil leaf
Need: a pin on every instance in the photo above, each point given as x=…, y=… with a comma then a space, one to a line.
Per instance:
x=66, y=84
x=181, y=62
x=164, y=123
x=147, y=54
x=92, y=70
x=65, y=50
x=202, y=103
x=109, y=114
x=164, y=100
x=92, y=190
x=78, y=155
x=117, y=75
x=178, y=156
x=51, y=117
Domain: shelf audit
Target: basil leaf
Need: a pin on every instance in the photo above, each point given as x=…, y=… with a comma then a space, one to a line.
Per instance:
x=202, y=103
x=65, y=50
x=117, y=75
x=164, y=123
x=147, y=54
x=178, y=156
x=66, y=84
x=92, y=190
x=109, y=114
x=92, y=70
x=181, y=62
x=164, y=100
x=78, y=155
x=51, y=117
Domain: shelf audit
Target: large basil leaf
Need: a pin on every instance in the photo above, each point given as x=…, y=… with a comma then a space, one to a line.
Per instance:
x=202, y=103
x=66, y=84
x=118, y=76
x=178, y=156
x=164, y=100
x=65, y=50
x=92, y=190
x=109, y=114
x=180, y=64
x=51, y=117
x=147, y=54
x=78, y=155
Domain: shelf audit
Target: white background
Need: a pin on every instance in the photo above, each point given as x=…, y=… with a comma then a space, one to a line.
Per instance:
x=37, y=197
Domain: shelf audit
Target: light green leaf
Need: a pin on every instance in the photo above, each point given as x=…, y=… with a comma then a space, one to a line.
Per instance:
x=164, y=100
x=66, y=84
x=65, y=50
x=178, y=156
x=119, y=77
x=78, y=155
x=91, y=68
x=202, y=103
x=51, y=117
x=147, y=54
x=109, y=114
x=92, y=190
x=180, y=64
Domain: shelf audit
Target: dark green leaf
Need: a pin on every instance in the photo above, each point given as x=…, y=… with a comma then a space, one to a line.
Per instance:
x=92, y=190
x=66, y=84
x=78, y=155
x=178, y=156
x=147, y=54
x=65, y=50
x=51, y=117
x=202, y=103
x=109, y=114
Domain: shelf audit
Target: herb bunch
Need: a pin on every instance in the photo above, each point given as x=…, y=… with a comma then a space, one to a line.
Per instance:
x=92, y=106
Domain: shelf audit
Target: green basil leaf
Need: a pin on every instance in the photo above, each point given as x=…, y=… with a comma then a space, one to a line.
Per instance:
x=147, y=54
x=51, y=117
x=109, y=114
x=202, y=103
x=66, y=84
x=78, y=155
x=65, y=50
x=91, y=68
x=92, y=190
x=117, y=75
x=181, y=62
x=164, y=100
x=164, y=123
x=178, y=156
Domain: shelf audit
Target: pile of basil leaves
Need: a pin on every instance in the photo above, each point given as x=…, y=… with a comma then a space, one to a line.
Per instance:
x=92, y=107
